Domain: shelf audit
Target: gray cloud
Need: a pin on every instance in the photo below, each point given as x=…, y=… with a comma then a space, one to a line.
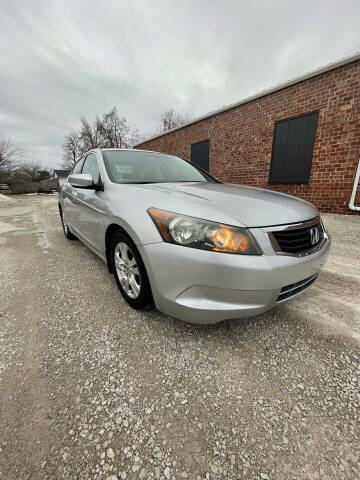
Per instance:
x=60, y=60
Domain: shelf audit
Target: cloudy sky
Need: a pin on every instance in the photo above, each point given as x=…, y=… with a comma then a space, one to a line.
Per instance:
x=63, y=59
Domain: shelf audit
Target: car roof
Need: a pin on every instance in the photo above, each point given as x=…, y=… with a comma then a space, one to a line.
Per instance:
x=96, y=150
x=130, y=150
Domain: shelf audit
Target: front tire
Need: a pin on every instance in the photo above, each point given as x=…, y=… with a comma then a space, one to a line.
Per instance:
x=66, y=228
x=130, y=273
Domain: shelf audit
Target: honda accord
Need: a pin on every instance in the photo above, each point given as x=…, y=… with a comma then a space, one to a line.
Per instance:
x=199, y=249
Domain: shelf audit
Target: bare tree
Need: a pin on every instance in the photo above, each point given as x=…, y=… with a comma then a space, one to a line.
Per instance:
x=111, y=131
x=31, y=169
x=10, y=155
x=114, y=130
x=170, y=119
x=90, y=135
x=72, y=149
x=42, y=175
x=135, y=137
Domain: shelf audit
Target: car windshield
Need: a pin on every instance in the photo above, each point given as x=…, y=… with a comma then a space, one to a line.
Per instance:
x=132, y=166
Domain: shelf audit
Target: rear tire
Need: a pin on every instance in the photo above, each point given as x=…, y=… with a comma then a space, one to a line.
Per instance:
x=130, y=273
x=66, y=228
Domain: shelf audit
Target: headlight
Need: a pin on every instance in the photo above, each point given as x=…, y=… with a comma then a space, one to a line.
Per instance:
x=197, y=233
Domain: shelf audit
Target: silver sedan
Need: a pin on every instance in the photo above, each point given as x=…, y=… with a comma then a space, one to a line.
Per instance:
x=199, y=249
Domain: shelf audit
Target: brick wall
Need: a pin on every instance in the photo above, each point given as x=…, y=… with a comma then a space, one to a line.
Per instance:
x=241, y=138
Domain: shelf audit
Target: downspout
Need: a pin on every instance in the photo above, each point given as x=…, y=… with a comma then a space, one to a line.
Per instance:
x=353, y=195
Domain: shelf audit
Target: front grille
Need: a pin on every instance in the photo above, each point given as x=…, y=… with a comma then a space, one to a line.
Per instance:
x=298, y=240
x=295, y=288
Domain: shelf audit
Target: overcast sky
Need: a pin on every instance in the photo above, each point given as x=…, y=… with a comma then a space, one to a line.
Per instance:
x=63, y=59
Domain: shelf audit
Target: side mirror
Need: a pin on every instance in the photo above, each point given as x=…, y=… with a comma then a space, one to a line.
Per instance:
x=82, y=180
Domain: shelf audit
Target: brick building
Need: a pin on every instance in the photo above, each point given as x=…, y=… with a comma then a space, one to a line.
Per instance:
x=301, y=137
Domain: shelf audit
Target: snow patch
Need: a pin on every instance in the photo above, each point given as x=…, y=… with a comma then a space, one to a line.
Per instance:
x=42, y=239
x=6, y=199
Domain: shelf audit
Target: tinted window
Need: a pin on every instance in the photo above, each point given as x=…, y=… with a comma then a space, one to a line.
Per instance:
x=91, y=166
x=293, y=149
x=78, y=166
x=146, y=167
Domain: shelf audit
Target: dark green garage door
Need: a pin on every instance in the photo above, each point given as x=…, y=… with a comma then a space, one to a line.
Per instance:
x=200, y=154
x=293, y=147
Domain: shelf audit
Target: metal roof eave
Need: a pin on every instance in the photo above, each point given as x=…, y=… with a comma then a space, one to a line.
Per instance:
x=313, y=73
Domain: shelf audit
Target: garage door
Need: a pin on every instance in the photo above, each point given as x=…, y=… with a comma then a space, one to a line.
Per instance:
x=200, y=154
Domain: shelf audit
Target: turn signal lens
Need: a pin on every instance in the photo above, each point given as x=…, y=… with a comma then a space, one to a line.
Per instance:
x=160, y=217
x=203, y=234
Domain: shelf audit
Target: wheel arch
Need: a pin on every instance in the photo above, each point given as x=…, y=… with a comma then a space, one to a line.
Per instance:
x=110, y=230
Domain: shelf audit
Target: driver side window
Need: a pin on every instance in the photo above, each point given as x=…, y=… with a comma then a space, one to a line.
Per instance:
x=91, y=166
x=78, y=166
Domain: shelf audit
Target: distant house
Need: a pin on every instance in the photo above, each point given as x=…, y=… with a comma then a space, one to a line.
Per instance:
x=5, y=185
x=6, y=181
x=61, y=175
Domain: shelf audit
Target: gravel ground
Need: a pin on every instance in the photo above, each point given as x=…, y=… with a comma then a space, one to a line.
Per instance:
x=90, y=388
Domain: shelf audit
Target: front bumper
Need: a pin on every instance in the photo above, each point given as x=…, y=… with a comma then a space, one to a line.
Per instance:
x=200, y=286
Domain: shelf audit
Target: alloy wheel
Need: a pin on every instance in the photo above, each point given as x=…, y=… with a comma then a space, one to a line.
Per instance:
x=127, y=270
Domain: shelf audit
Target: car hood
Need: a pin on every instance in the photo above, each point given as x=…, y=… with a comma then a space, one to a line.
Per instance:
x=221, y=202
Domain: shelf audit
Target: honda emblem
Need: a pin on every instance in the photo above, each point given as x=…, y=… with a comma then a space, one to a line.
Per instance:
x=314, y=235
